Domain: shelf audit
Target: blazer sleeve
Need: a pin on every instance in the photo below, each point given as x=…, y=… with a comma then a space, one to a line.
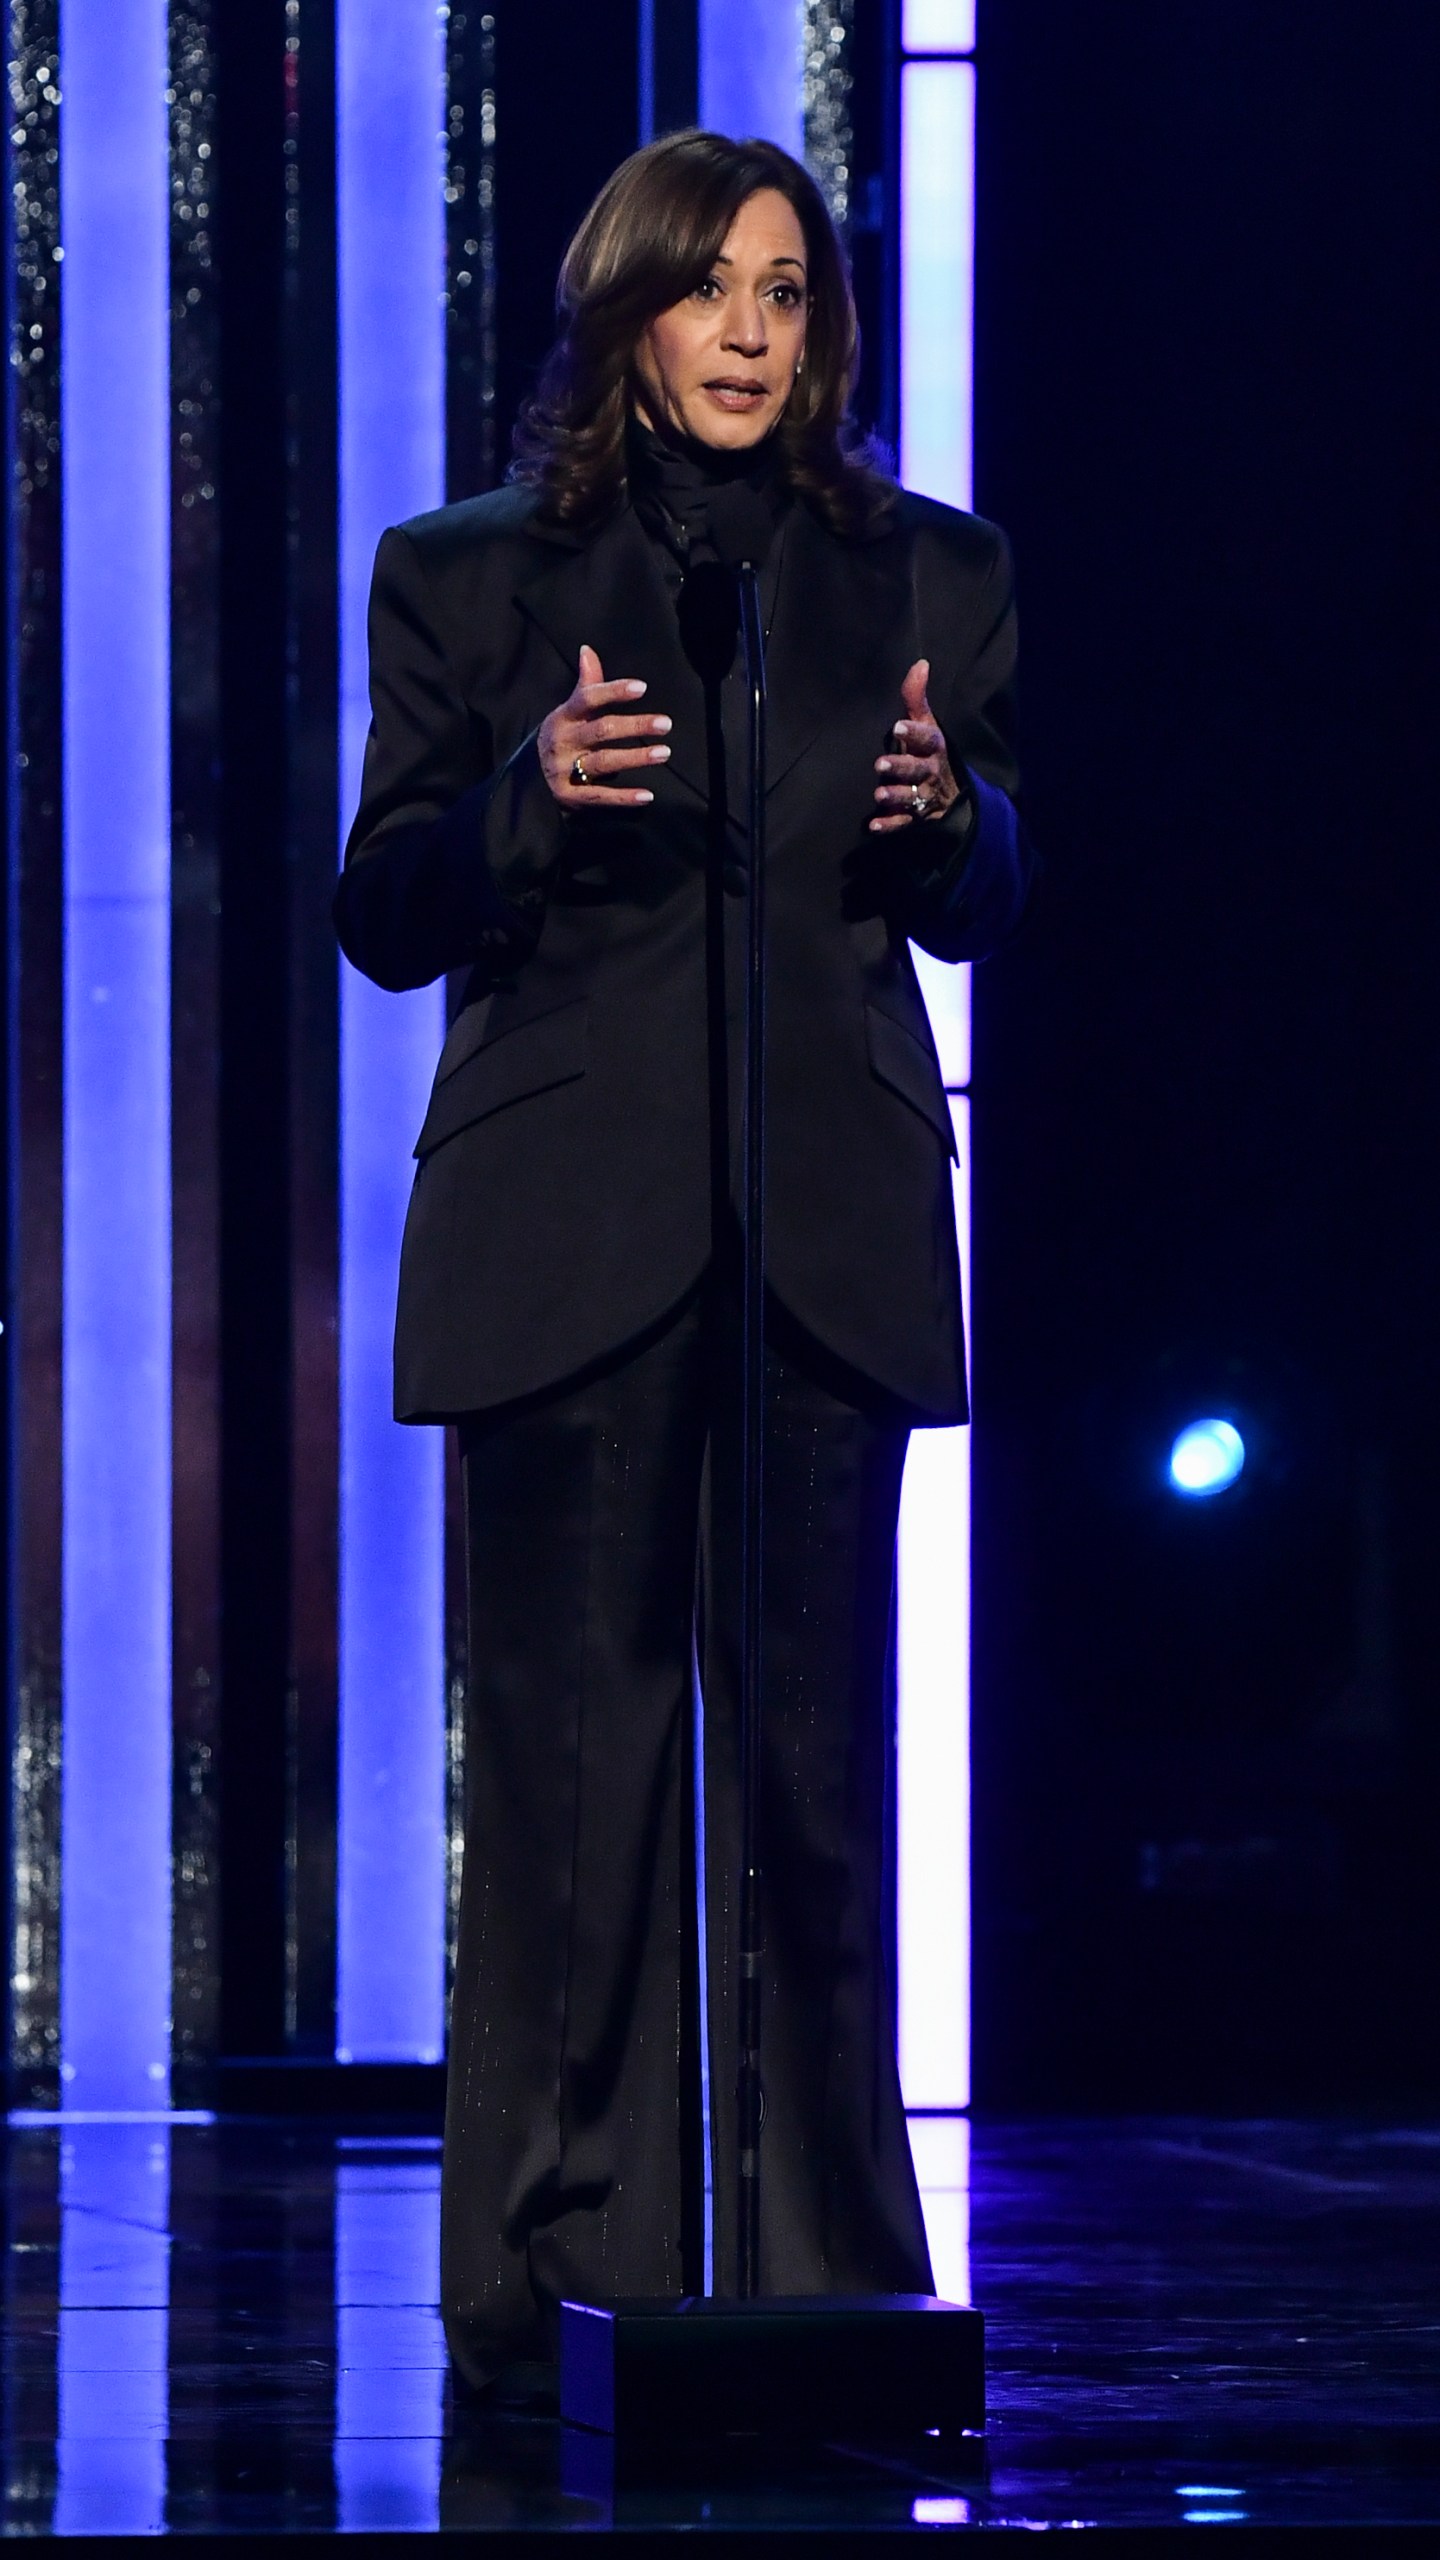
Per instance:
x=449, y=861
x=967, y=875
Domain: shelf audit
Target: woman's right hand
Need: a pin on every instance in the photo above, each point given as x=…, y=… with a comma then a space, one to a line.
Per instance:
x=587, y=728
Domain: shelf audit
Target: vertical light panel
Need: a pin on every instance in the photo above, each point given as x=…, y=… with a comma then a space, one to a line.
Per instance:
x=937, y=210
x=938, y=26
x=391, y=248
x=751, y=69
x=940, y=2147
x=933, y=1755
x=937, y=262
x=115, y=1796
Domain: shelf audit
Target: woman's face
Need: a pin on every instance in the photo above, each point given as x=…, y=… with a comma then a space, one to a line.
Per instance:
x=720, y=365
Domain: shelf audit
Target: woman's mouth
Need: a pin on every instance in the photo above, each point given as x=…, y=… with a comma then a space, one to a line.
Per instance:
x=739, y=396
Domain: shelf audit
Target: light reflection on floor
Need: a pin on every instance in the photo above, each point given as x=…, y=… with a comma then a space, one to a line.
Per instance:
x=234, y=2326
x=113, y=2347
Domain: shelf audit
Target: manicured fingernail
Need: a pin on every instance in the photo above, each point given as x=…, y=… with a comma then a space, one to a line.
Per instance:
x=662, y=723
x=882, y=764
x=644, y=795
x=658, y=754
x=635, y=687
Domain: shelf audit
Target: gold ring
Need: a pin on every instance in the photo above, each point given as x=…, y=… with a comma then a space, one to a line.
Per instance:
x=578, y=772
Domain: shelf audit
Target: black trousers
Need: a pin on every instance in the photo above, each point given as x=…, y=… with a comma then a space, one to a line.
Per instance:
x=603, y=1529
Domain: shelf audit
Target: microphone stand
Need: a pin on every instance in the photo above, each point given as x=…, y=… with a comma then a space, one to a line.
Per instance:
x=749, y=2092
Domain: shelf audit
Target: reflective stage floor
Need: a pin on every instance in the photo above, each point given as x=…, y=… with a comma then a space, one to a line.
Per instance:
x=230, y=2327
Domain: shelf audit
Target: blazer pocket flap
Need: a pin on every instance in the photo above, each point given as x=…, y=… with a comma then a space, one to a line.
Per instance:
x=530, y=1059
x=907, y=1067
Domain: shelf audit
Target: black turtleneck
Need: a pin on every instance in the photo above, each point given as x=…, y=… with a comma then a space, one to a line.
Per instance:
x=671, y=478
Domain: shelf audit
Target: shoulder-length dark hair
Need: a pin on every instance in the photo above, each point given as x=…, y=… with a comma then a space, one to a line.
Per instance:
x=652, y=236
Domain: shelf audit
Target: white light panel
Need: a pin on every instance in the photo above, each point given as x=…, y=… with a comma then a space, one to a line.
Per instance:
x=938, y=26
x=933, y=1750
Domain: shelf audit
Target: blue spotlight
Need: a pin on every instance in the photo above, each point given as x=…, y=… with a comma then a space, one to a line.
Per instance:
x=1206, y=1457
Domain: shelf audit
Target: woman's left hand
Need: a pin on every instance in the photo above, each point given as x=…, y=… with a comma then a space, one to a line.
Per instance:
x=919, y=765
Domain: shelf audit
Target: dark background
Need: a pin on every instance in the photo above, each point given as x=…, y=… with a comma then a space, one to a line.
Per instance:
x=1209, y=396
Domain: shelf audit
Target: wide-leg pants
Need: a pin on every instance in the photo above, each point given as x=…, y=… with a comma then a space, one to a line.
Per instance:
x=603, y=1535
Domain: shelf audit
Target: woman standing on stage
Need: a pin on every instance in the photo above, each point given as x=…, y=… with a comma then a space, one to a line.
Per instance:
x=547, y=804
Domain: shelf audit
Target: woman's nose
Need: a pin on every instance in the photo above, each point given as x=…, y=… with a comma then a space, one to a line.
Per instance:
x=747, y=329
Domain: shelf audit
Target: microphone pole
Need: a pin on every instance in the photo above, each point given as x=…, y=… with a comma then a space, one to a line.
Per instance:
x=742, y=529
x=714, y=597
x=749, y=2091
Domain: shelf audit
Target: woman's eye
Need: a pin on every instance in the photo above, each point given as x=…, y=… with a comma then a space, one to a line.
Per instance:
x=705, y=292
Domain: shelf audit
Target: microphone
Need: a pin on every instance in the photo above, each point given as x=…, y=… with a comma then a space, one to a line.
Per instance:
x=741, y=529
x=741, y=524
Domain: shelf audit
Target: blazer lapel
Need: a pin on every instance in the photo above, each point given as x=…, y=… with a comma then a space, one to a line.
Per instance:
x=610, y=592
x=844, y=623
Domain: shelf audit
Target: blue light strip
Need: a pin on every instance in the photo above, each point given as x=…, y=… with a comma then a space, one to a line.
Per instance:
x=937, y=211
x=115, y=1797
x=751, y=63
x=391, y=246
x=645, y=70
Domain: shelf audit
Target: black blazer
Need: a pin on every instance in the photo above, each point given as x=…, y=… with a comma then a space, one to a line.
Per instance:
x=564, y=1196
